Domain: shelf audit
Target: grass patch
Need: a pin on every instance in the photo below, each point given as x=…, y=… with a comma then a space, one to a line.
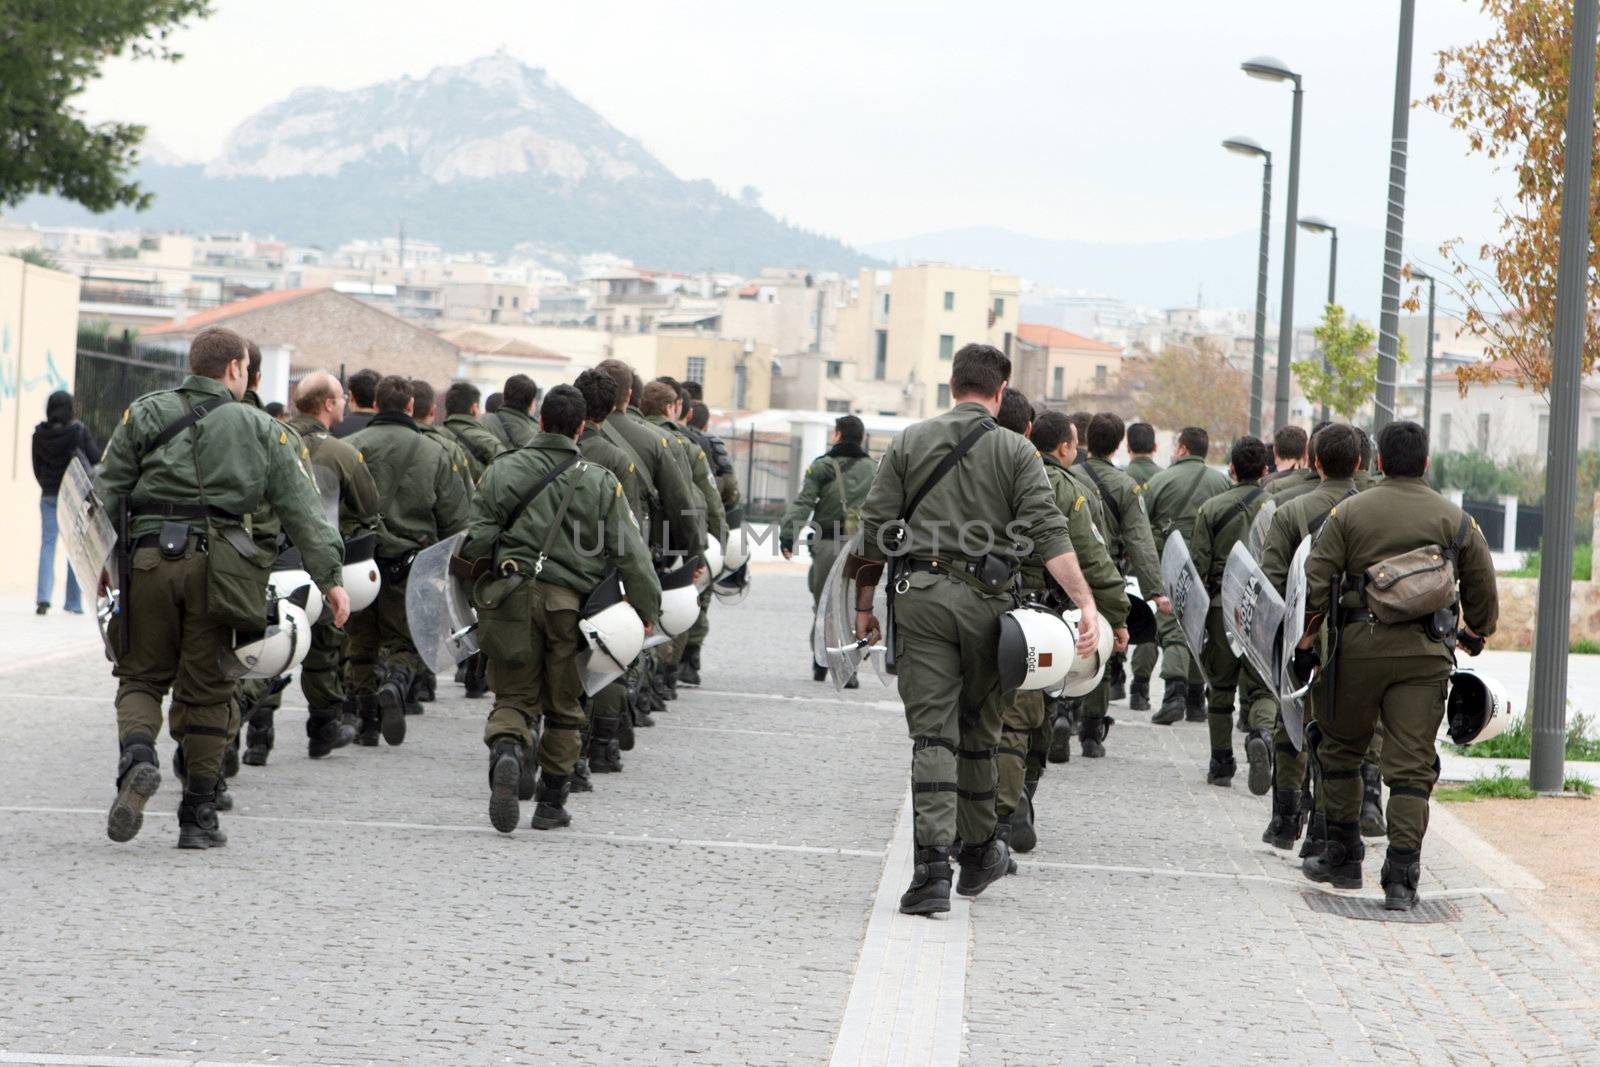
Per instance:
x=1582, y=563
x=1584, y=646
x=1517, y=742
x=1501, y=784
x=1578, y=785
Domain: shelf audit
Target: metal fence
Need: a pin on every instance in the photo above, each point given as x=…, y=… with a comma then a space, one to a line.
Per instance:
x=770, y=467
x=1490, y=516
x=112, y=373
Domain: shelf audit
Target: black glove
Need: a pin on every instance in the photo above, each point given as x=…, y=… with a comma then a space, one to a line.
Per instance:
x=1305, y=663
x=1469, y=641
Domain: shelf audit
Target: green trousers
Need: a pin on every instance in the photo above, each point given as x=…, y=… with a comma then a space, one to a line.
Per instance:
x=1144, y=660
x=1021, y=724
x=549, y=687
x=174, y=645
x=1228, y=674
x=380, y=638
x=1289, y=765
x=320, y=677
x=1406, y=695
x=606, y=709
x=944, y=646
x=702, y=626
x=1177, y=662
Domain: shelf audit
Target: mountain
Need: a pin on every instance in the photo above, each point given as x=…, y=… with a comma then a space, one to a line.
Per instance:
x=482, y=156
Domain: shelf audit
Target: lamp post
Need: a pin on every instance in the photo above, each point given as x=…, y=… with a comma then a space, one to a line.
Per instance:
x=1427, y=363
x=1394, y=233
x=1268, y=69
x=1313, y=224
x=1244, y=146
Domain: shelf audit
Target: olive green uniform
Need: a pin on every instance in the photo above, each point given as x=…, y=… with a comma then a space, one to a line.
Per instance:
x=1394, y=674
x=607, y=707
x=944, y=620
x=716, y=529
x=1141, y=469
x=836, y=485
x=512, y=428
x=1173, y=499
x=479, y=444
x=244, y=459
x=532, y=639
x=1290, y=484
x=1222, y=522
x=459, y=460
x=677, y=517
x=256, y=700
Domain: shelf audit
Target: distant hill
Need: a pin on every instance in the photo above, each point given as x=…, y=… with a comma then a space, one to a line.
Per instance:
x=482, y=156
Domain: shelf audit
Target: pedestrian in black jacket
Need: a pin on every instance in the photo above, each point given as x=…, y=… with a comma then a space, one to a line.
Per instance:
x=55, y=441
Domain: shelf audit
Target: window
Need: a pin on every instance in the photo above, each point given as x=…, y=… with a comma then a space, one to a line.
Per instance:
x=697, y=369
x=944, y=394
x=1544, y=433
x=1594, y=433
x=886, y=303
x=1006, y=348
x=1100, y=375
x=1444, y=433
x=947, y=346
x=500, y=301
x=838, y=407
x=880, y=356
x=516, y=302
x=949, y=301
x=740, y=376
x=835, y=368
x=1483, y=432
x=999, y=307
x=1057, y=380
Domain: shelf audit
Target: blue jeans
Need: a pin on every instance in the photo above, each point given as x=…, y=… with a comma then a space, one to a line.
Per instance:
x=47, y=560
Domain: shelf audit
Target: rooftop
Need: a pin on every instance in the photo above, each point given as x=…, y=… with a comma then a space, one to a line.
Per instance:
x=1054, y=337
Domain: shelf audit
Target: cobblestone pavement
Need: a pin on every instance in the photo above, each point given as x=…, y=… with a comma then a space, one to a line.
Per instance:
x=711, y=904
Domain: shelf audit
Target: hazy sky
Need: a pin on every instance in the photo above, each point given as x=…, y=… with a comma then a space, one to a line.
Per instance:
x=876, y=120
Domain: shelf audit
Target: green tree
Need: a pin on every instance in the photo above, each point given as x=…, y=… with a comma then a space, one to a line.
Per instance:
x=1351, y=377
x=49, y=51
x=37, y=256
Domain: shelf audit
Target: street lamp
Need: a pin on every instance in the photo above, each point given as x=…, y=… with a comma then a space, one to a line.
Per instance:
x=1394, y=231
x=1268, y=69
x=1313, y=224
x=1244, y=146
x=1427, y=363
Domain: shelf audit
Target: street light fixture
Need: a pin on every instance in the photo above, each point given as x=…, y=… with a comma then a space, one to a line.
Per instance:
x=1244, y=146
x=1268, y=69
x=1427, y=363
x=1314, y=224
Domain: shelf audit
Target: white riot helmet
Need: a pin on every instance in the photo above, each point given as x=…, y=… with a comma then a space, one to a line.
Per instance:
x=1477, y=708
x=714, y=556
x=1034, y=649
x=680, y=600
x=283, y=584
x=277, y=650
x=733, y=586
x=614, y=632
x=360, y=572
x=737, y=551
x=1086, y=671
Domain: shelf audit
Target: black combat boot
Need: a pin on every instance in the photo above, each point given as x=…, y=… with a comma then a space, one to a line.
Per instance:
x=180, y=767
x=1258, y=753
x=1194, y=704
x=476, y=680
x=347, y=713
x=669, y=683
x=1372, y=822
x=819, y=673
x=197, y=815
x=1092, y=736
x=1139, y=694
x=138, y=778
x=1063, y=724
x=1020, y=832
x=1340, y=863
x=1117, y=676
x=929, y=893
x=1002, y=833
x=689, y=665
x=393, y=697
x=223, y=797
x=580, y=781
x=1172, y=703
x=1316, y=841
x=1287, y=819
x=367, y=713
x=551, y=811
x=1402, y=870
x=1222, y=767
x=605, y=755
x=987, y=861
x=230, y=759
x=419, y=688
x=257, y=743
x=505, y=773
x=325, y=732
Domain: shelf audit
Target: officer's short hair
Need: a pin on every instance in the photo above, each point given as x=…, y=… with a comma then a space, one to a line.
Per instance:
x=1015, y=411
x=1080, y=422
x=311, y=392
x=1289, y=442
x=696, y=390
x=492, y=402
x=978, y=370
x=1403, y=448
x=851, y=430
x=1141, y=438
x=1311, y=442
x=422, y=397
x=677, y=387
x=1366, y=448
x=620, y=373
x=459, y=398
x=1248, y=457
x=252, y=373
x=636, y=386
x=699, y=414
x=520, y=393
x=657, y=399
x=393, y=393
x=275, y=409
x=363, y=386
x=1196, y=440
x=213, y=349
x=599, y=394
x=1338, y=450
x=1104, y=434
x=563, y=411
x=1051, y=429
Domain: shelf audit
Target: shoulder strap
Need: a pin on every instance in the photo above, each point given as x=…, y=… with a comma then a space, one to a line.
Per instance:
x=1105, y=498
x=191, y=415
x=947, y=464
x=1462, y=533
x=1316, y=524
x=1239, y=507
x=838, y=484
x=561, y=514
x=466, y=443
x=551, y=475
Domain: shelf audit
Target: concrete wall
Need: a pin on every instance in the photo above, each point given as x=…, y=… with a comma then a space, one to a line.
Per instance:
x=38, y=354
x=1519, y=606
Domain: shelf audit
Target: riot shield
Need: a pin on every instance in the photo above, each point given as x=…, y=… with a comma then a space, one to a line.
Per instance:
x=1256, y=540
x=328, y=491
x=1190, y=601
x=438, y=610
x=1291, y=696
x=86, y=531
x=1252, y=613
x=842, y=649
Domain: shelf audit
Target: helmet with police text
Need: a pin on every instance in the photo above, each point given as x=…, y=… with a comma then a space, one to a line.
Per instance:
x=360, y=571
x=282, y=584
x=1034, y=649
x=276, y=650
x=1086, y=671
x=1477, y=708
x=680, y=600
x=613, y=632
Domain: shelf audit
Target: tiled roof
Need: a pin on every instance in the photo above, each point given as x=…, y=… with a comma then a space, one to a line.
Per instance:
x=213, y=316
x=1052, y=337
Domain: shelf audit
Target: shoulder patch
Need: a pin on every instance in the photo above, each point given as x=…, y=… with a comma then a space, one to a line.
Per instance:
x=283, y=437
x=619, y=489
x=1078, y=504
x=305, y=453
x=361, y=457
x=1137, y=489
x=663, y=442
x=630, y=468
x=125, y=412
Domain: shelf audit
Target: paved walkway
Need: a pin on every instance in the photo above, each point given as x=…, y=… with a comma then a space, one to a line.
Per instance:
x=727, y=899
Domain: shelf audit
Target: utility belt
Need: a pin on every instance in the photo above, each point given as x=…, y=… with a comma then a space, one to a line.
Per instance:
x=1439, y=626
x=989, y=571
x=173, y=540
x=182, y=511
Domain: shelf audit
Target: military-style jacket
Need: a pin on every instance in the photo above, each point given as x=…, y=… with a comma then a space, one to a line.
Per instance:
x=1091, y=492
x=479, y=444
x=1175, y=495
x=597, y=532
x=722, y=475
x=1126, y=529
x=424, y=499
x=699, y=470
x=677, y=519
x=512, y=428
x=998, y=492
x=598, y=448
x=837, y=481
x=1222, y=522
x=358, y=493
x=264, y=524
x=1093, y=560
x=458, y=455
x=244, y=457
x=1141, y=469
x=1393, y=517
x=1294, y=481
x=1292, y=522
